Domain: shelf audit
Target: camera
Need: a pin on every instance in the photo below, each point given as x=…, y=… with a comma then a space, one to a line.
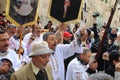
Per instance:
x=96, y=14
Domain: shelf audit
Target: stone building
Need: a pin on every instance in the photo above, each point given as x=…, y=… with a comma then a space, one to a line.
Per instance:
x=101, y=6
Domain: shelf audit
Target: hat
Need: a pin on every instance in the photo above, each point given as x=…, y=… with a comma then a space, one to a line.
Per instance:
x=67, y=34
x=39, y=48
x=6, y=59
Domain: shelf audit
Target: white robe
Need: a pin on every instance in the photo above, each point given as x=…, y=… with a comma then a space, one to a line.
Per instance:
x=14, y=44
x=26, y=40
x=27, y=37
x=77, y=71
x=117, y=75
x=57, y=60
x=13, y=57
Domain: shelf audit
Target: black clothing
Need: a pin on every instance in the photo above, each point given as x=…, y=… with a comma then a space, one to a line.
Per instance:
x=42, y=75
x=95, y=47
x=111, y=70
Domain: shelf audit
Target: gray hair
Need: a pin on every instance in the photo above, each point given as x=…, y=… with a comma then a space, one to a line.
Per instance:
x=100, y=76
x=11, y=26
x=85, y=50
x=45, y=36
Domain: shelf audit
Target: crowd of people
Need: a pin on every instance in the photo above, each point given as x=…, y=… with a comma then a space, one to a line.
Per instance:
x=58, y=53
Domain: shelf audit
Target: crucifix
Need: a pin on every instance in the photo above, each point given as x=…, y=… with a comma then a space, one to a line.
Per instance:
x=66, y=5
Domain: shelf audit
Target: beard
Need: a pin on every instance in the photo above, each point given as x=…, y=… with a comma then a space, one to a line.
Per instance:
x=117, y=43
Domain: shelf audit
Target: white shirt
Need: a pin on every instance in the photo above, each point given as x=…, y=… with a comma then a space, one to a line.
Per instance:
x=14, y=44
x=13, y=57
x=76, y=71
x=57, y=60
x=117, y=75
x=27, y=37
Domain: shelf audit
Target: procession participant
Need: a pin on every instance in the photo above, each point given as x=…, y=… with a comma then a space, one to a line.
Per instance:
x=78, y=68
x=6, y=52
x=61, y=52
x=37, y=69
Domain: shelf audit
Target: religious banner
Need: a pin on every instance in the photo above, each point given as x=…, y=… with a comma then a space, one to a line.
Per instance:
x=22, y=12
x=67, y=11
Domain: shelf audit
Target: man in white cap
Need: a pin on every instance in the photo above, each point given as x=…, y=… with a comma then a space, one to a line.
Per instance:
x=37, y=69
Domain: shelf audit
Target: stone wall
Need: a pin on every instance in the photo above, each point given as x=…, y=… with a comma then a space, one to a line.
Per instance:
x=92, y=6
x=104, y=9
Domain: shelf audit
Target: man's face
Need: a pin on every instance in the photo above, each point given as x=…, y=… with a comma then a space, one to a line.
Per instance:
x=67, y=38
x=37, y=29
x=4, y=42
x=86, y=57
x=114, y=31
x=11, y=31
x=83, y=32
x=52, y=42
x=118, y=40
x=42, y=60
x=118, y=37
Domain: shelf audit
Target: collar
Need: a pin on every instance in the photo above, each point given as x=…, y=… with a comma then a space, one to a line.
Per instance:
x=15, y=37
x=35, y=69
x=53, y=52
x=82, y=62
x=3, y=53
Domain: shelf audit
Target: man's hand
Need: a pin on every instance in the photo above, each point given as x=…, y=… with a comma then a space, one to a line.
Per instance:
x=117, y=67
x=106, y=56
x=93, y=65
